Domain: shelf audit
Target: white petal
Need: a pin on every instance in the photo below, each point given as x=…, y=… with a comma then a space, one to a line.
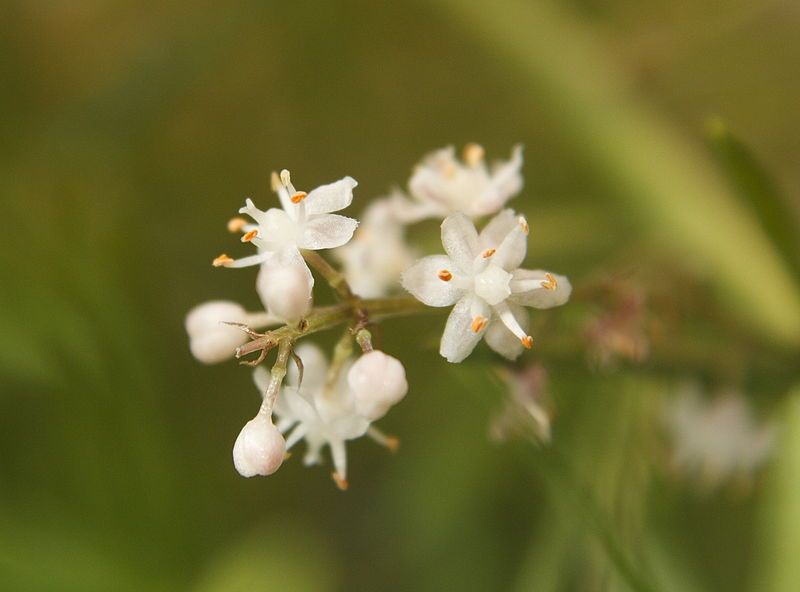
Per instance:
x=497, y=228
x=315, y=367
x=327, y=231
x=527, y=289
x=330, y=198
x=511, y=252
x=459, y=339
x=424, y=281
x=460, y=240
x=507, y=176
x=503, y=341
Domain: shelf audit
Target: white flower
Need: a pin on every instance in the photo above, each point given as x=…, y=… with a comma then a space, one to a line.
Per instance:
x=525, y=412
x=378, y=254
x=442, y=185
x=480, y=275
x=716, y=440
x=259, y=448
x=377, y=381
x=304, y=221
x=319, y=412
x=210, y=339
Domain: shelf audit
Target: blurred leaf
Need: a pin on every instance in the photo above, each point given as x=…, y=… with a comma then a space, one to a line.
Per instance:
x=669, y=181
x=757, y=188
x=779, y=538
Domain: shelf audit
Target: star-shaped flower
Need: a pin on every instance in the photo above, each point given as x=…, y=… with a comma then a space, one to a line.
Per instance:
x=480, y=275
x=304, y=221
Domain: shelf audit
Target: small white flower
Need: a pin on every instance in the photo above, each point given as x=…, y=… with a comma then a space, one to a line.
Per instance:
x=259, y=448
x=304, y=221
x=716, y=440
x=210, y=339
x=377, y=381
x=526, y=412
x=442, y=185
x=480, y=275
x=319, y=412
x=378, y=254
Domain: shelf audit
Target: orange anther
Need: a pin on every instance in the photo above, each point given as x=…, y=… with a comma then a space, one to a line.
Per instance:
x=527, y=341
x=222, y=261
x=248, y=236
x=488, y=253
x=445, y=275
x=236, y=224
x=298, y=197
x=550, y=282
x=478, y=323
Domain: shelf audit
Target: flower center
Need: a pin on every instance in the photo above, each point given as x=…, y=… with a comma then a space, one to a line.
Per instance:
x=492, y=284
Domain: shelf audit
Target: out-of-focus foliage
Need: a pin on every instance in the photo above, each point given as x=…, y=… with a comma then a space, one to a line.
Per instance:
x=132, y=131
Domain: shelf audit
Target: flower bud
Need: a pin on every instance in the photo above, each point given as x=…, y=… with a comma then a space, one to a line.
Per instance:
x=377, y=381
x=259, y=449
x=284, y=291
x=210, y=340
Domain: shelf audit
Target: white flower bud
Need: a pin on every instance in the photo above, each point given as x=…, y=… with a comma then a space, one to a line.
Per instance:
x=210, y=340
x=259, y=449
x=284, y=291
x=377, y=381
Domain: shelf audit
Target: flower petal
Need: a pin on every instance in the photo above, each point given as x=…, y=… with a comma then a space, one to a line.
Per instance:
x=330, y=198
x=503, y=341
x=326, y=231
x=459, y=339
x=507, y=176
x=528, y=288
x=426, y=280
x=497, y=228
x=511, y=252
x=460, y=240
x=285, y=284
x=315, y=368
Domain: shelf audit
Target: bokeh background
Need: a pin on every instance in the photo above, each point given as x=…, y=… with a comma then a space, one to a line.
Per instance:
x=662, y=147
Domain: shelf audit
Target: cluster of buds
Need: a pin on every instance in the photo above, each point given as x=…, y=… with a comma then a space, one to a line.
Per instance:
x=326, y=403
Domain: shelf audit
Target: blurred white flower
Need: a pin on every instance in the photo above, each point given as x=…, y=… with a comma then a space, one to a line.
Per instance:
x=717, y=440
x=304, y=221
x=480, y=275
x=320, y=411
x=377, y=381
x=378, y=254
x=211, y=340
x=259, y=448
x=441, y=184
x=525, y=413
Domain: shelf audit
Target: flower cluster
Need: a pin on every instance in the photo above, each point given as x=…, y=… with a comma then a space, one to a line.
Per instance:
x=326, y=404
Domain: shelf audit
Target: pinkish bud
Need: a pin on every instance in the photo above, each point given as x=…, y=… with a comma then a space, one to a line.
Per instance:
x=259, y=449
x=377, y=381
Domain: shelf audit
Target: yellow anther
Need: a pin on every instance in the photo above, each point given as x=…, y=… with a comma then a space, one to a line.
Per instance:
x=392, y=443
x=275, y=181
x=523, y=223
x=473, y=154
x=550, y=282
x=445, y=275
x=236, y=224
x=298, y=197
x=478, y=323
x=340, y=481
x=222, y=261
x=248, y=236
x=527, y=342
x=488, y=253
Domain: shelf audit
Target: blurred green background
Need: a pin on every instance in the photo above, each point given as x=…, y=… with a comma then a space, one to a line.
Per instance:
x=661, y=142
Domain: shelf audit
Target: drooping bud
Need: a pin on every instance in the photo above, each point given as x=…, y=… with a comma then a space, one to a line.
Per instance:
x=284, y=292
x=259, y=448
x=210, y=340
x=377, y=381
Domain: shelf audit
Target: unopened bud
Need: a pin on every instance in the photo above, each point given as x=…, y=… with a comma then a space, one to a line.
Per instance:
x=259, y=449
x=210, y=340
x=285, y=292
x=377, y=381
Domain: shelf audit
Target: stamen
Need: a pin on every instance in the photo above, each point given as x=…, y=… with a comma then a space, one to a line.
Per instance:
x=473, y=154
x=488, y=253
x=286, y=178
x=340, y=481
x=478, y=323
x=275, y=181
x=298, y=197
x=523, y=223
x=510, y=321
x=527, y=341
x=222, y=261
x=392, y=443
x=236, y=224
x=550, y=282
x=445, y=275
x=247, y=237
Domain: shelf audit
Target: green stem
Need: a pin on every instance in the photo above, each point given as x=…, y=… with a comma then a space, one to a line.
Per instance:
x=333, y=276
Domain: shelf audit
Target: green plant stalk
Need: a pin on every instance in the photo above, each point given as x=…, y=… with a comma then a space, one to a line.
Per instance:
x=670, y=180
